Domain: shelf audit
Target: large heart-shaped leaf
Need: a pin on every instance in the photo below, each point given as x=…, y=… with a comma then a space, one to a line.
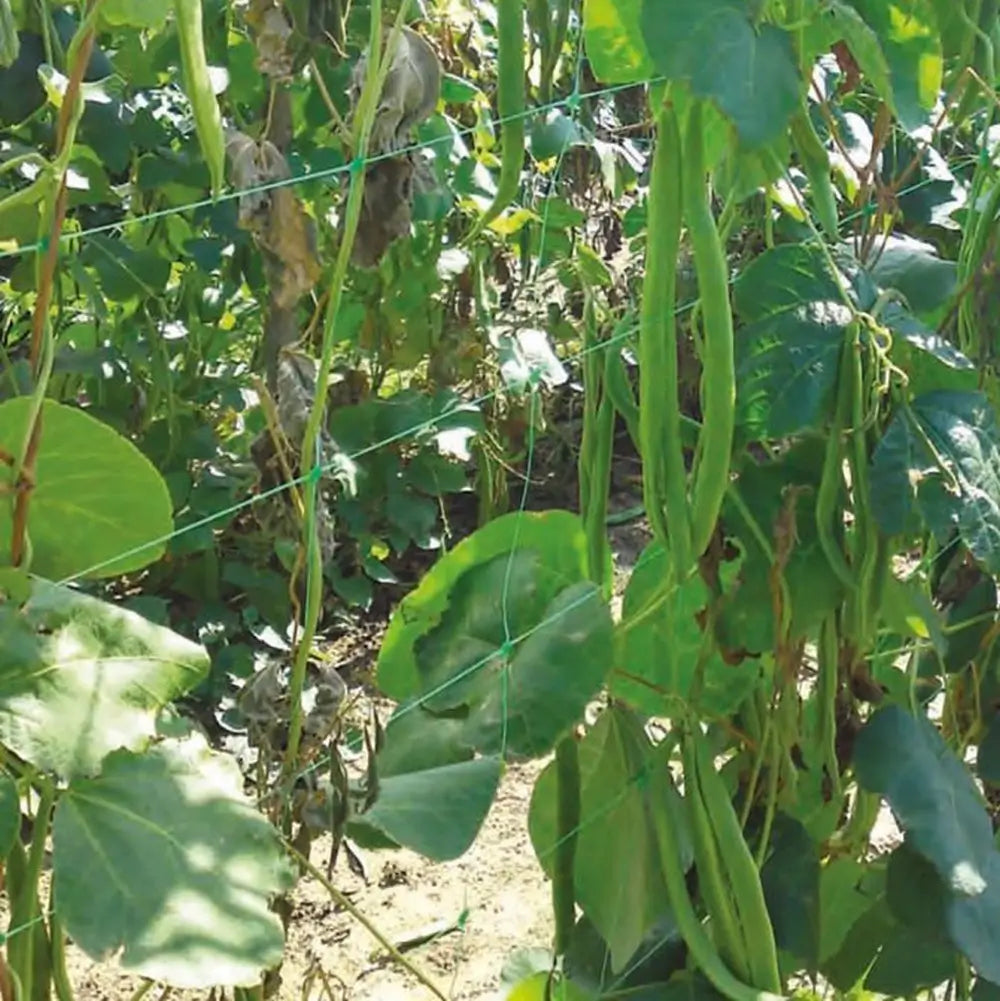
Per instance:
x=616, y=871
x=788, y=356
x=437, y=811
x=753, y=78
x=163, y=857
x=80, y=678
x=662, y=646
x=553, y=541
x=907, y=30
x=98, y=502
x=615, y=47
x=904, y=759
x=915, y=269
x=944, y=452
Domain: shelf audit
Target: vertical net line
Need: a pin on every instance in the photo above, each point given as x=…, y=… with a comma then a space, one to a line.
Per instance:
x=534, y=377
x=573, y=102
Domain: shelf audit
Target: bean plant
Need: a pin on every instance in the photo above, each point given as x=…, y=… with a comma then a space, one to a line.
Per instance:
x=800, y=351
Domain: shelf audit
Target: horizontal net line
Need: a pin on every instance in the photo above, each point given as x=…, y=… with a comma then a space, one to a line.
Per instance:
x=415, y=429
x=325, y=173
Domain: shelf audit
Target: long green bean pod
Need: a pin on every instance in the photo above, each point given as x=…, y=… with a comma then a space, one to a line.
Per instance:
x=828, y=653
x=718, y=378
x=664, y=477
x=596, y=447
x=738, y=868
x=865, y=539
x=816, y=164
x=568, y=824
x=832, y=479
x=198, y=85
x=510, y=105
x=714, y=889
x=620, y=390
x=555, y=36
x=699, y=944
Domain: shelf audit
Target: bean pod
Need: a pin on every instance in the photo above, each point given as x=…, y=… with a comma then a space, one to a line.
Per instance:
x=198, y=85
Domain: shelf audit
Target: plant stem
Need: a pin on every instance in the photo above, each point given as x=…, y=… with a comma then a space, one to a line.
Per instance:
x=310, y=543
x=41, y=349
x=343, y=901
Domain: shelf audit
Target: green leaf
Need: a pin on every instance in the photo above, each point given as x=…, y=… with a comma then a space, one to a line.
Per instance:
x=126, y=274
x=558, y=539
x=162, y=856
x=80, y=678
x=416, y=741
x=900, y=321
x=616, y=871
x=97, y=496
x=910, y=40
x=786, y=370
x=862, y=941
x=944, y=450
x=974, y=922
x=783, y=278
x=790, y=879
x=903, y=758
x=845, y=23
x=844, y=899
x=756, y=85
x=661, y=644
x=660, y=957
x=135, y=13
x=613, y=39
x=788, y=357
x=437, y=811
x=915, y=894
x=908, y=963
x=914, y=268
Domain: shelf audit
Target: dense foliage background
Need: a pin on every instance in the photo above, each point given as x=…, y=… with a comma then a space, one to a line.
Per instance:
x=272, y=373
